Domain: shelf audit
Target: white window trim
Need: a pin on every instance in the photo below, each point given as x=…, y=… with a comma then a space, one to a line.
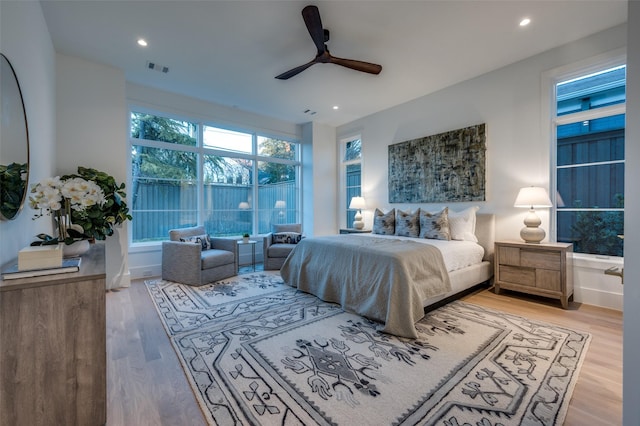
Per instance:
x=200, y=150
x=550, y=122
x=343, y=176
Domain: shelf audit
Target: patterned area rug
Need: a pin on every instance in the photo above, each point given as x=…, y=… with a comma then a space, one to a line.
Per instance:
x=257, y=351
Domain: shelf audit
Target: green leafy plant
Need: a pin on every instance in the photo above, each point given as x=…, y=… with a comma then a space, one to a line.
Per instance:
x=597, y=232
x=13, y=186
x=245, y=235
x=98, y=221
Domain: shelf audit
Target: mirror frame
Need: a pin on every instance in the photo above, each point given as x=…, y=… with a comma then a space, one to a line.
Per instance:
x=17, y=166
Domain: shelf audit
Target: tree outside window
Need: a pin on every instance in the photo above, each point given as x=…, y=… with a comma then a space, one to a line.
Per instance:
x=179, y=182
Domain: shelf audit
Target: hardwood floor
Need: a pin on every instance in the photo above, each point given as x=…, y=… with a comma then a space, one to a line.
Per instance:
x=146, y=384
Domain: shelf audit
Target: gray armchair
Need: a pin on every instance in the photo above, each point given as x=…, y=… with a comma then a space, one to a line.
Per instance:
x=187, y=263
x=275, y=254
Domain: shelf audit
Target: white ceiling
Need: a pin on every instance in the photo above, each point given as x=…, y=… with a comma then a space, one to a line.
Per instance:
x=228, y=52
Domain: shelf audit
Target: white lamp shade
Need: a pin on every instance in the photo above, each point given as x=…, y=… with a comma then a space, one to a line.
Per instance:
x=357, y=203
x=243, y=205
x=280, y=204
x=532, y=197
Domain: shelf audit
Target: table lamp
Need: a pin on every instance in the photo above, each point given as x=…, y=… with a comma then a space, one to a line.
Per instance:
x=532, y=197
x=357, y=203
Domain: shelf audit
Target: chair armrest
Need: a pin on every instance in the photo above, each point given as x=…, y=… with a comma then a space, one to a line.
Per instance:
x=181, y=262
x=225, y=244
x=228, y=245
x=266, y=243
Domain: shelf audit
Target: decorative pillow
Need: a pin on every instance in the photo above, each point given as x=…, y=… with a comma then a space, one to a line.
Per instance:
x=203, y=240
x=384, y=223
x=463, y=224
x=286, y=238
x=435, y=225
x=407, y=224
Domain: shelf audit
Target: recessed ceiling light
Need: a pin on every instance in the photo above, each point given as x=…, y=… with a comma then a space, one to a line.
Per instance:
x=525, y=22
x=142, y=42
x=336, y=107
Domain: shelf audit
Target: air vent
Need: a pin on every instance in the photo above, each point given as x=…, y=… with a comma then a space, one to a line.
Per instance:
x=308, y=111
x=157, y=67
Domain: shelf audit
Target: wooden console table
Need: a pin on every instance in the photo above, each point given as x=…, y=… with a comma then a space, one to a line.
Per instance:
x=53, y=337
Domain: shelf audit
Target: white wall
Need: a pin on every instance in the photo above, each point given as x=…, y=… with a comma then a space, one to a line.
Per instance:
x=91, y=132
x=509, y=101
x=320, y=171
x=631, y=352
x=25, y=41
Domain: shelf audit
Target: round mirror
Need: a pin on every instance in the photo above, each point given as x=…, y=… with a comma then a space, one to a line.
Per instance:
x=14, y=143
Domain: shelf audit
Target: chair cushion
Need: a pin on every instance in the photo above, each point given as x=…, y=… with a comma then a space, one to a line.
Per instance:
x=280, y=250
x=213, y=258
x=287, y=227
x=176, y=234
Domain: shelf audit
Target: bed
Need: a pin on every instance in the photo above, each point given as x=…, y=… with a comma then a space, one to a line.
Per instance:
x=390, y=279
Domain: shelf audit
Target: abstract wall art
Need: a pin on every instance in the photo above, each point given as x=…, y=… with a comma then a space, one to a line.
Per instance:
x=446, y=167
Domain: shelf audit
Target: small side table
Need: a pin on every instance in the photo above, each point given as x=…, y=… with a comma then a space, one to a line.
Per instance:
x=251, y=243
x=543, y=269
x=354, y=231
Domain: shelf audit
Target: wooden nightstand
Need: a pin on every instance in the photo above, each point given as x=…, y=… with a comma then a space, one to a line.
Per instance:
x=354, y=231
x=543, y=269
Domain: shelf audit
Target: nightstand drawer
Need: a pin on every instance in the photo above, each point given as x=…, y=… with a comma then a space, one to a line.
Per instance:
x=548, y=280
x=511, y=274
x=540, y=259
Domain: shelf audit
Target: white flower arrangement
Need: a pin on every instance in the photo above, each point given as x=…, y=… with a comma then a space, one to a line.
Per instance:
x=57, y=197
x=78, y=193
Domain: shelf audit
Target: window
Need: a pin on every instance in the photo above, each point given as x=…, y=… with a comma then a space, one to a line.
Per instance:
x=352, y=166
x=185, y=173
x=589, y=172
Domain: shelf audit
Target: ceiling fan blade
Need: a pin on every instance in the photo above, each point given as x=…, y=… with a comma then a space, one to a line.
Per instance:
x=295, y=71
x=311, y=17
x=357, y=65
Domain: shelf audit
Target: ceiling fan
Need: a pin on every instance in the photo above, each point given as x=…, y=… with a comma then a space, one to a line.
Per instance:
x=320, y=36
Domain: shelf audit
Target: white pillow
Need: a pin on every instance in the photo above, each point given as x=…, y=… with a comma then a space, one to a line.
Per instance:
x=462, y=225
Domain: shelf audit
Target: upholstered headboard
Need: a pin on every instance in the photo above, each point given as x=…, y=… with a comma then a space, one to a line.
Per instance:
x=485, y=232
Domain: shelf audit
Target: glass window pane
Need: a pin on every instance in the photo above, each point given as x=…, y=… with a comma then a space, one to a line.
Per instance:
x=600, y=186
x=594, y=232
x=593, y=91
x=227, y=140
x=353, y=150
x=277, y=195
x=164, y=192
x=155, y=128
x=227, y=195
x=353, y=188
x=276, y=148
x=593, y=141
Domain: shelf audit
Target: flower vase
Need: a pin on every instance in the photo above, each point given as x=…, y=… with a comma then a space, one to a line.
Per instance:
x=76, y=249
x=245, y=240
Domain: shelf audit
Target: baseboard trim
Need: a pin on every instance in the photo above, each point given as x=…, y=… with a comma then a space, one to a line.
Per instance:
x=604, y=299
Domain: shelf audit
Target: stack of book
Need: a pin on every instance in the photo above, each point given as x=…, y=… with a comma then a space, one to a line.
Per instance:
x=14, y=272
x=40, y=257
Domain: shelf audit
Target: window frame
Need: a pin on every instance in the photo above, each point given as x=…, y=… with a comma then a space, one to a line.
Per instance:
x=549, y=109
x=200, y=150
x=344, y=203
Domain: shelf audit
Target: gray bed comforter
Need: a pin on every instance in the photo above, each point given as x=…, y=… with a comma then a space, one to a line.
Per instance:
x=385, y=280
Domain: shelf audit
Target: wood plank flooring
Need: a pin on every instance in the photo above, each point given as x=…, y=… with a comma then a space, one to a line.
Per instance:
x=147, y=386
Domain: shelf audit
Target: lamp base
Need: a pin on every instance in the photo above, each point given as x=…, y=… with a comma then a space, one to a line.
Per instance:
x=358, y=223
x=532, y=235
